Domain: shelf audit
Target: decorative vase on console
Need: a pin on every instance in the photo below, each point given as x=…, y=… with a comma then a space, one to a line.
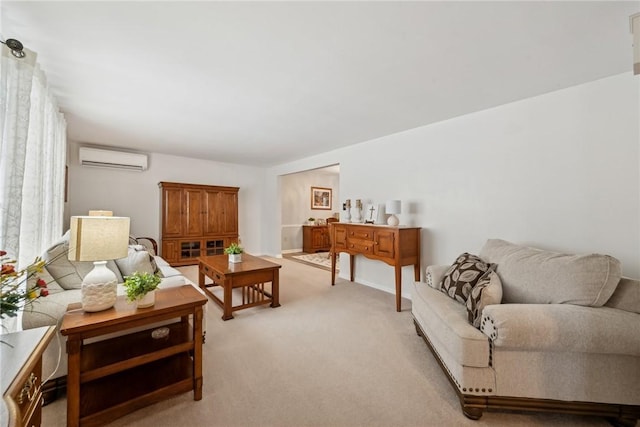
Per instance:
x=357, y=212
x=347, y=209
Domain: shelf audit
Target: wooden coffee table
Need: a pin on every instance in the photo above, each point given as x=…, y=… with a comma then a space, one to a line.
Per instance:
x=110, y=378
x=251, y=275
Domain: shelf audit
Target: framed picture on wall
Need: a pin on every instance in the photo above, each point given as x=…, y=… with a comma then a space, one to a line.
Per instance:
x=320, y=198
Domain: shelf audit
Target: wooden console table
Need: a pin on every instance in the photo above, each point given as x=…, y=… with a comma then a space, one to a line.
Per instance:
x=397, y=246
x=108, y=379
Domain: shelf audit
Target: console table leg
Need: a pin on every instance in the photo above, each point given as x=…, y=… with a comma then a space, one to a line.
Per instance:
x=352, y=266
x=333, y=268
x=398, y=287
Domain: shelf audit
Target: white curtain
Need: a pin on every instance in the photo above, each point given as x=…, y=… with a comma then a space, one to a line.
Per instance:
x=32, y=160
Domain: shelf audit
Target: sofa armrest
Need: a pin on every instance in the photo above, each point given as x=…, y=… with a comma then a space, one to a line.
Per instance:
x=562, y=327
x=148, y=242
x=434, y=275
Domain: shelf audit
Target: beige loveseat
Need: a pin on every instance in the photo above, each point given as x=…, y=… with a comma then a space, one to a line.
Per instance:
x=64, y=279
x=565, y=337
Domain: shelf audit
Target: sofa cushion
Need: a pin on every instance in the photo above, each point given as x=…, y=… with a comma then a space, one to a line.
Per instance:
x=562, y=328
x=626, y=296
x=69, y=274
x=136, y=260
x=463, y=275
x=487, y=291
x=534, y=276
x=446, y=320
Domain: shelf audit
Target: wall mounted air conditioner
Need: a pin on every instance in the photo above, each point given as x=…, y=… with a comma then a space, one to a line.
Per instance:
x=94, y=157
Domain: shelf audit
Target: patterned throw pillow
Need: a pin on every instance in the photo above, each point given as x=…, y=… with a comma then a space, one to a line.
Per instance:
x=487, y=291
x=463, y=275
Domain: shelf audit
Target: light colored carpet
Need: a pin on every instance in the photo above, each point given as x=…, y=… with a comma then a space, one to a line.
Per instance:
x=322, y=259
x=329, y=356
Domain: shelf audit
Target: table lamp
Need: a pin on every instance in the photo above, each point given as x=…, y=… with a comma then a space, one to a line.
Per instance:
x=98, y=239
x=393, y=207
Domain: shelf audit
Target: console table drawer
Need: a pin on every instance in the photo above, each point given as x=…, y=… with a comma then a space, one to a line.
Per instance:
x=362, y=246
x=360, y=234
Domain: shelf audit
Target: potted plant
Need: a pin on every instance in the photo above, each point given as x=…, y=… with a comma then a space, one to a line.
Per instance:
x=235, y=252
x=141, y=287
x=311, y=221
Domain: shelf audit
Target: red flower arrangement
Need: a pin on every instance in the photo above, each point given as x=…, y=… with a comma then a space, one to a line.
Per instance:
x=16, y=290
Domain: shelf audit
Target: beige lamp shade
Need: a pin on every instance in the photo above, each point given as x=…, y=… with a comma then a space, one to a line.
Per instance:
x=97, y=238
x=393, y=207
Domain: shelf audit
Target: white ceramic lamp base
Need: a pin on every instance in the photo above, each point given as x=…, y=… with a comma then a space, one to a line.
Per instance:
x=99, y=288
x=393, y=221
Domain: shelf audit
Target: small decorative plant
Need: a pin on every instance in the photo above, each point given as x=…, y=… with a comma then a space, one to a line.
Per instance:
x=233, y=249
x=138, y=285
x=311, y=220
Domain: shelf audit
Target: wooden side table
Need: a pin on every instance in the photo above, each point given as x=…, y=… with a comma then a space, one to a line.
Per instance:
x=110, y=378
x=21, y=356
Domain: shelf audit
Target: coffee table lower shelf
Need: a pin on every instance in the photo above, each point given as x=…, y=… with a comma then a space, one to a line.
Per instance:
x=119, y=394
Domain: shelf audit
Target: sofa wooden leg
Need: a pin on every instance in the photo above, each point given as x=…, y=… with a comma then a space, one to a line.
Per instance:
x=418, y=330
x=472, y=412
x=623, y=421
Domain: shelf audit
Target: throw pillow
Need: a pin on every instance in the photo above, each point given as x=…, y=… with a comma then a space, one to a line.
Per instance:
x=139, y=261
x=487, y=291
x=463, y=275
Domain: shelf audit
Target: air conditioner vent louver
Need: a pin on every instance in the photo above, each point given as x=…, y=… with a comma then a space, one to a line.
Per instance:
x=94, y=157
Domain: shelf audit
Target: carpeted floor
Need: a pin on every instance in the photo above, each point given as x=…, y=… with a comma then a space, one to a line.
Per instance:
x=329, y=356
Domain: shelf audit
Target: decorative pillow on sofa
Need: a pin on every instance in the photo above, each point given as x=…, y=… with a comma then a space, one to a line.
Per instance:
x=463, y=275
x=137, y=260
x=487, y=291
x=152, y=259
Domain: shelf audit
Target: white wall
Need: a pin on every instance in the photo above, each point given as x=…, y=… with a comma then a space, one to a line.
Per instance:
x=136, y=194
x=296, y=203
x=559, y=171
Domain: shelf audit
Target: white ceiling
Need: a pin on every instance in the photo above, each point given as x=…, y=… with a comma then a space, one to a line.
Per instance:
x=265, y=83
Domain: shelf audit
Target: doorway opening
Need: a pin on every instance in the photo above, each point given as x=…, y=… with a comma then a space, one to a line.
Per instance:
x=308, y=199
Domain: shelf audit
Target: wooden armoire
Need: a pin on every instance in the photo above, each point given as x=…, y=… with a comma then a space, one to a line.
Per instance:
x=196, y=220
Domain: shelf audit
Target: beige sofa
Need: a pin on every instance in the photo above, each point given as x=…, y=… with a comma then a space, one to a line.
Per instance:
x=565, y=338
x=64, y=279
